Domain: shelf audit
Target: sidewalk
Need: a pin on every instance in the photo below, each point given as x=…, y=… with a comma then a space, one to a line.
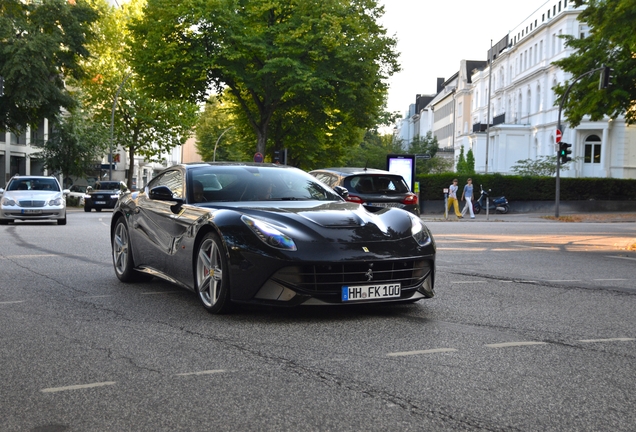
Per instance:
x=598, y=217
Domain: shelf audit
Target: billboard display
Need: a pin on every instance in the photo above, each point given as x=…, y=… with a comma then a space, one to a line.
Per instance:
x=403, y=165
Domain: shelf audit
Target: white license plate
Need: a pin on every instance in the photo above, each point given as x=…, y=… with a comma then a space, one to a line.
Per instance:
x=384, y=204
x=100, y=202
x=32, y=212
x=370, y=292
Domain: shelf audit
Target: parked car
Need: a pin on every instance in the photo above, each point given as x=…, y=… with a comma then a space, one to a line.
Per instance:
x=33, y=198
x=103, y=195
x=268, y=234
x=372, y=187
x=78, y=192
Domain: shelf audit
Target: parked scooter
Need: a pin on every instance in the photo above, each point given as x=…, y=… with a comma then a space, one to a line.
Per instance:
x=500, y=204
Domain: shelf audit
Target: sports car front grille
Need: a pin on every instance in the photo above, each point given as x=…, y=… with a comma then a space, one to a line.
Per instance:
x=28, y=203
x=329, y=278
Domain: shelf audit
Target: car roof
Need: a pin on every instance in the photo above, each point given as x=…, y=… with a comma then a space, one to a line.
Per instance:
x=347, y=171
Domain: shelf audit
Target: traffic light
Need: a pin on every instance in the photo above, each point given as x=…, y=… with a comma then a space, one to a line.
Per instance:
x=565, y=152
x=606, y=77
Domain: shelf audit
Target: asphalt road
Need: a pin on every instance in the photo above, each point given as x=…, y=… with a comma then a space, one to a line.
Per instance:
x=533, y=328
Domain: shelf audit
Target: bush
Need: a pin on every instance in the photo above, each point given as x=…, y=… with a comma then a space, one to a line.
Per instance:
x=526, y=188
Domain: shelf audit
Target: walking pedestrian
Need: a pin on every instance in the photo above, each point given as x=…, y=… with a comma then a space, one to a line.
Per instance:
x=452, y=198
x=467, y=195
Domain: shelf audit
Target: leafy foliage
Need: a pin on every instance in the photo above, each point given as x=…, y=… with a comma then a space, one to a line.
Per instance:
x=75, y=146
x=142, y=124
x=542, y=166
x=217, y=137
x=41, y=44
x=611, y=42
x=309, y=75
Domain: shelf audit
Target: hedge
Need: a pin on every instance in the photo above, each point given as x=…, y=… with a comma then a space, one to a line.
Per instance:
x=524, y=188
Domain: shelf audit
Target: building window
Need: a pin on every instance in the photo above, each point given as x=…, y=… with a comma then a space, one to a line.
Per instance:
x=548, y=13
x=559, y=6
x=543, y=18
x=592, y=150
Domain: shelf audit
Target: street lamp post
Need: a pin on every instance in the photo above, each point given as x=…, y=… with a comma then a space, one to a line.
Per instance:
x=112, y=125
x=217, y=142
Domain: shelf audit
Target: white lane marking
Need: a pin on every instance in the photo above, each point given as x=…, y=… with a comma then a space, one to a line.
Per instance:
x=466, y=282
x=564, y=280
x=28, y=256
x=608, y=340
x=431, y=351
x=514, y=344
x=601, y=280
x=619, y=257
x=159, y=292
x=77, y=387
x=207, y=372
x=13, y=302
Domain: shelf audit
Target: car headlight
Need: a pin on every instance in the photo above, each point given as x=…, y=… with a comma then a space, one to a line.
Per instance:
x=419, y=231
x=268, y=234
x=86, y=196
x=115, y=196
x=55, y=202
x=8, y=202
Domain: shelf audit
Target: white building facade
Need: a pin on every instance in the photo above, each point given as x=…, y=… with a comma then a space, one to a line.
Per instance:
x=511, y=115
x=523, y=114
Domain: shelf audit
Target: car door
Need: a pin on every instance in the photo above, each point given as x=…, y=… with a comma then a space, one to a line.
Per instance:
x=154, y=226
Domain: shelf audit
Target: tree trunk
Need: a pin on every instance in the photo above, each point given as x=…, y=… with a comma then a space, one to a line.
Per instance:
x=131, y=166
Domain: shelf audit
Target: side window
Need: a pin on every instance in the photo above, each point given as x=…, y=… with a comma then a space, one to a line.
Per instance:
x=172, y=179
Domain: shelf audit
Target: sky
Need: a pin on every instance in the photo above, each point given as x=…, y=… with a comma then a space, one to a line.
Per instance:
x=435, y=35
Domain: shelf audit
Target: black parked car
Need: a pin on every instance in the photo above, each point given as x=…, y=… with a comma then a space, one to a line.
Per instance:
x=103, y=195
x=268, y=234
x=372, y=187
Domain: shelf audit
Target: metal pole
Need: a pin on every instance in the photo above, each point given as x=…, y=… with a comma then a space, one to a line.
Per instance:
x=488, y=114
x=112, y=125
x=217, y=142
x=557, y=193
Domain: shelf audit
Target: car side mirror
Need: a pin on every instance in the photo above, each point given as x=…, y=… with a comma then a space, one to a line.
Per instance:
x=163, y=193
x=342, y=191
x=66, y=191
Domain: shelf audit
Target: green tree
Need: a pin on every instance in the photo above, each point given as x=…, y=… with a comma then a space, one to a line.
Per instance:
x=470, y=162
x=426, y=145
x=41, y=44
x=612, y=42
x=312, y=70
x=217, y=137
x=461, y=167
x=143, y=125
x=75, y=146
x=372, y=151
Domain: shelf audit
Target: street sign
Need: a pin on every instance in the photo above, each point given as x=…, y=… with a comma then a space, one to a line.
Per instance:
x=258, y=157
x=558, y=136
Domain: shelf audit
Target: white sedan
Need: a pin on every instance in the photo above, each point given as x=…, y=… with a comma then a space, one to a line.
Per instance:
x=33, y=198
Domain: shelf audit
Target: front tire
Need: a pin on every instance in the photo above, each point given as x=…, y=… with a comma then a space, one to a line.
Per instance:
x=122, y=255
x=62, y=221
x=87, y=209
x=476, y=208
x=211, y=275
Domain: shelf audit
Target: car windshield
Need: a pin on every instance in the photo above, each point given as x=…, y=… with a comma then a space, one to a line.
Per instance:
x=377, y=184
x=250, y=183
x=107, y=186
x=37, y=184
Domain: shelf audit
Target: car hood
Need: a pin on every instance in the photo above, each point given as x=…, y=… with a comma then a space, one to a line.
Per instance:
x=32, y=195
x=104, y=192
x=335, y=219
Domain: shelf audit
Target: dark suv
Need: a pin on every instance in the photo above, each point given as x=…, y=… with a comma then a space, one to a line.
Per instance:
x=371, y=187
x=104, y=194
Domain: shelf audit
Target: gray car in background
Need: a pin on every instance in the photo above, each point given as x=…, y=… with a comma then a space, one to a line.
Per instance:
x=371, y=187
